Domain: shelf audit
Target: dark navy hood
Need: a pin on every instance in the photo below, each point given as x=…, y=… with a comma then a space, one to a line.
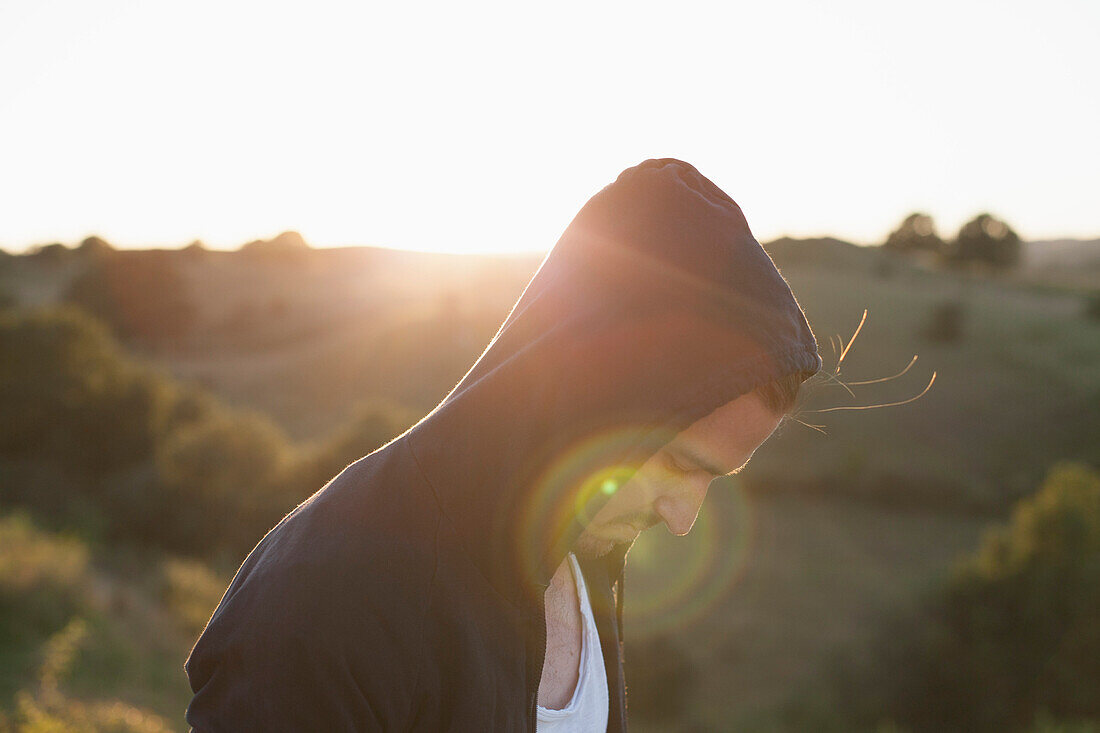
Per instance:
x=656, y=307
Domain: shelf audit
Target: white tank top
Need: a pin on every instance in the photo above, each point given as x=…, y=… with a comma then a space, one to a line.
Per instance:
x=587, y=711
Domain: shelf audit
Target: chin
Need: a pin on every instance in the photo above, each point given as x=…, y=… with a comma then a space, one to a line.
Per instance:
x=595, y=547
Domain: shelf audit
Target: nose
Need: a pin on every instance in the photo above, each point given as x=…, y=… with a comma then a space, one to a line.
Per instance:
x=679, y=508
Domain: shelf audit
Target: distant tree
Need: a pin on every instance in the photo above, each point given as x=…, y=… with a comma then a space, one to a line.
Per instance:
x=194, y=251
x=53, y=253
x=916, y=233
x=986, y=239
x=287, y=246
x=95, y=246
x=290, y=241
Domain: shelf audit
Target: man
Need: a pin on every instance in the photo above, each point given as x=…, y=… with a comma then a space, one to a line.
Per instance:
x=446, y=581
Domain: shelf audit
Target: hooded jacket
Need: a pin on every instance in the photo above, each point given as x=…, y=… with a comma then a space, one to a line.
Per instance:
x=407, y=593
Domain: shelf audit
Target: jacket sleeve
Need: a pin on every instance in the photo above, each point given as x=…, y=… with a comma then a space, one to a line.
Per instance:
x=307, y=648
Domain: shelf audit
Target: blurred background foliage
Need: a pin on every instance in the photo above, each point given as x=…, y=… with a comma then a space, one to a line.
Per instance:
x=1009, y=641
x=933, y=566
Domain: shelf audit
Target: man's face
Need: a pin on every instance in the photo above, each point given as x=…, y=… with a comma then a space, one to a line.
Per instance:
x=671, y=485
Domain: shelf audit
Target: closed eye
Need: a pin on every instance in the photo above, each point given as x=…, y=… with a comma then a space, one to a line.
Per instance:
x=675, y=465
x=697, y=464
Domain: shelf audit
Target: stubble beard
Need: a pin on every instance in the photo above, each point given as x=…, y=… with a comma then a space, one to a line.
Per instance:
x=592, y=547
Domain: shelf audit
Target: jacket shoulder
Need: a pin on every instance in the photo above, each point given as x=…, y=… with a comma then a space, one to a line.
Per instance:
x=321, y=627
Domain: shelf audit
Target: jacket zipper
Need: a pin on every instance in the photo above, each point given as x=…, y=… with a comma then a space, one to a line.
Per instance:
x=540, y=659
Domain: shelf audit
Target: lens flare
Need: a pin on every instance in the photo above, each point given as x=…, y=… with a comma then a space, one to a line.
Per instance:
x=576, y=484
x=675, y=581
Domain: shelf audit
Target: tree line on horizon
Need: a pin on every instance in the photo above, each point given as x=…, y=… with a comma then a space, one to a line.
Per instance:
x=984, y=239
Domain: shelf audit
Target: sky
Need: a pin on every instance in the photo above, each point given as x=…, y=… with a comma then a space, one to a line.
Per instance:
x=476, y=127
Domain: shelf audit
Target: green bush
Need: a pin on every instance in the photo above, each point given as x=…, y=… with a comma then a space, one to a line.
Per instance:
x=1014, y=636
x=43, y=584
x=45, y=708
x=371, y=426
x=190, y=591
x=90, y=438
x=42, y=581
x=148, y=460
x=63, y=380
x=91, y=637
x=219, y=481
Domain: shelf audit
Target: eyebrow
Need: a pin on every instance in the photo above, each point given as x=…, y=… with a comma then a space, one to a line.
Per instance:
x=701, y=462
